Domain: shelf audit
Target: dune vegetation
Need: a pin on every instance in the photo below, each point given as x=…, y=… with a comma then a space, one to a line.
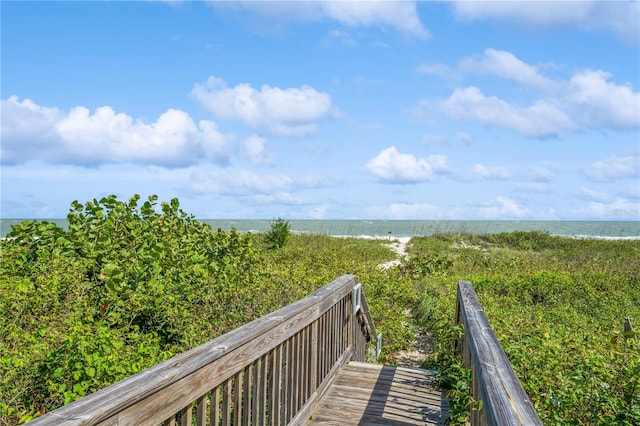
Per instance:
x=130, y=284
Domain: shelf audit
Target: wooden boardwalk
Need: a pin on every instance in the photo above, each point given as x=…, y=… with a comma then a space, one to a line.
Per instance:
x=371, y=394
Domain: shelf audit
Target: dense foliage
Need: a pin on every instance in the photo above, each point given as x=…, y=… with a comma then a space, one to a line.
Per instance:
x=558, y=307
x=130, y=284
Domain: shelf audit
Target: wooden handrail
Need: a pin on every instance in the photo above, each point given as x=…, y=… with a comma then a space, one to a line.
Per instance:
x=270, y=371
x=504, y=400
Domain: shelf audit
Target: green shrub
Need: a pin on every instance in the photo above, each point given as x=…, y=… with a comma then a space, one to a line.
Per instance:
x=279, y=233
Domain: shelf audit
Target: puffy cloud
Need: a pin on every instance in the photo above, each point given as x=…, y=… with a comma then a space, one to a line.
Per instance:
x=33, y=132
x=394, y=167
x=506, y=65
x=614, y=168
x=588, y=100
x=493, y=173
x=541, y=119
x=500, y=207
x=619, y=209
x=400, y=15
x=285, y=112
x=619, y=17
x=604, y=103
x=255, y=151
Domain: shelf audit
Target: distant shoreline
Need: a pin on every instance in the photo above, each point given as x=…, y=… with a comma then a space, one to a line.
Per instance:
x=386, y=229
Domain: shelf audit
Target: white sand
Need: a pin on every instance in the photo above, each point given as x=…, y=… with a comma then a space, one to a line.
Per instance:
x=399, y=246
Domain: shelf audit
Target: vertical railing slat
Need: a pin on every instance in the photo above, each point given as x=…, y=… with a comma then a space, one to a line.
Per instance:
x=201, y=411
x=214, y=407
x=246, y=395
x=226, y=403
x=237, y=399
x=256, y=395
x=185, y=416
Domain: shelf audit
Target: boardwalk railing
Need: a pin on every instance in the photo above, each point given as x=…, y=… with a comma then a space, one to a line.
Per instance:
x=270, y=371
x=504, y=401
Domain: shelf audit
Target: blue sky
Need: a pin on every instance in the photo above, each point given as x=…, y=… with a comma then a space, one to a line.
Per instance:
x=324, y=110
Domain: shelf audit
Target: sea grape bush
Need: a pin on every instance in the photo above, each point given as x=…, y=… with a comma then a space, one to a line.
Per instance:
x=122, y=289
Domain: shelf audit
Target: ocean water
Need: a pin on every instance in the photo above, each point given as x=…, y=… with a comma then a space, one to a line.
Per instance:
x=412, y=228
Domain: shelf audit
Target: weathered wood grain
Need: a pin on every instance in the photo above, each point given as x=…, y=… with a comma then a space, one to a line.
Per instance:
x=504, y=401
x=370, y=394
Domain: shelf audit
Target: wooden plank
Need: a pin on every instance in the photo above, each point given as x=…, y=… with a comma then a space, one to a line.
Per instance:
x=276, y=383
x=495, y=383
x=214, y=407
x=226, y=403
x=201, y=411
x=237, y=399
x=313, y=374
x=247, y=395
x=306, y=410
x=185, y=416
x=256, y=392
x=369, y=394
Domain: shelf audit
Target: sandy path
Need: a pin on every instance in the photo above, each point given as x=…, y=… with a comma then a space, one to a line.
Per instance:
x=422, y=346
x=399, y=246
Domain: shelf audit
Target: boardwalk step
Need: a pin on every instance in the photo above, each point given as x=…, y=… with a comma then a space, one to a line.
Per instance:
x=371, y=394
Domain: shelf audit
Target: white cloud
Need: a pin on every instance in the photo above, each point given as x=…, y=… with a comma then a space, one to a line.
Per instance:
x=619, y=209
x=285, y=112
x=247, y=182
x=402, y=15
x=394, y=167
x=399, y=15
x=588, y=100
x=255, y=151
x=278, y=198
x=619, y=17
x=542, y=173
x=594, y=195
x=603, y=103
x=493, y=173
x=239, y=182
x=506, y=65
x=541, y=119
x=402, y=211
x=416, y=211
x=33, y=132
x=500, y=207
x=614, y=168
x=320, y=212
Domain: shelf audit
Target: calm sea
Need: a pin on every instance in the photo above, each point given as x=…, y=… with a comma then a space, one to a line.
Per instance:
x=412, y=228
